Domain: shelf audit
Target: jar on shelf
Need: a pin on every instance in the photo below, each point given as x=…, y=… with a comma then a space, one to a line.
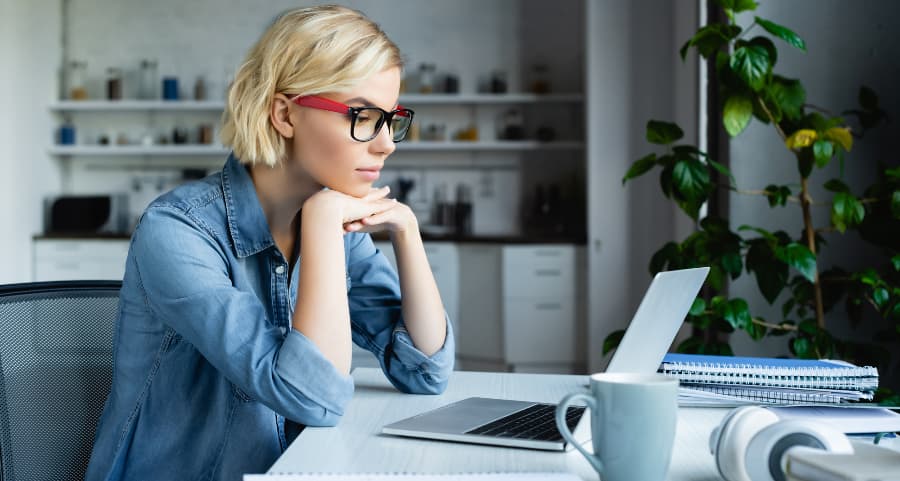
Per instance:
x=149, y=80
x=426, y=78
x=540, y=79
x=76, y=80
x=200, y=88
x=114, y=83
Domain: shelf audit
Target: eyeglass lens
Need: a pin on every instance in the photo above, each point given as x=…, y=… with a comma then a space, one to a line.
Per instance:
x=369, y=121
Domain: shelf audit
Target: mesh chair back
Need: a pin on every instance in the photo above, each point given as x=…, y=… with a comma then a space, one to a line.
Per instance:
x=56, y=342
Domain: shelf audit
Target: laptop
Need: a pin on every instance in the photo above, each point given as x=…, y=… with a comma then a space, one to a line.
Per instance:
x=525, y=424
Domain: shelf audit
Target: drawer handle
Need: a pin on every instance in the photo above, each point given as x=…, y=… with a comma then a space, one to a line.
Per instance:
x=548, y=272
x=548, y=306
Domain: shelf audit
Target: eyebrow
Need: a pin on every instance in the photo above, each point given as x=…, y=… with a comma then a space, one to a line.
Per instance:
x=366, y=102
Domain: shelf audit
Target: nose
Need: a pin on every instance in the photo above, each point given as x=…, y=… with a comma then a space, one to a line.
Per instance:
x=383, y=143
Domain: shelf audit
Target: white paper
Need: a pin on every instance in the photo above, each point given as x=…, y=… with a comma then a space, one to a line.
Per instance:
x=533, y=476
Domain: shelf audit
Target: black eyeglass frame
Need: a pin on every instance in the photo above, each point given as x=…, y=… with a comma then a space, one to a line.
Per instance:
x=321, y=103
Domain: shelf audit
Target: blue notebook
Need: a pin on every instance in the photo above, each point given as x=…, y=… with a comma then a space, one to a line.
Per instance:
x=772, y=379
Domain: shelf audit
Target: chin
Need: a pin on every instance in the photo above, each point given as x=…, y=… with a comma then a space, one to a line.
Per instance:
x=354, y=190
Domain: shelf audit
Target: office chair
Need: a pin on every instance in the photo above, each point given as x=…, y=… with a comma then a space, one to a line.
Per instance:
x=56, y=346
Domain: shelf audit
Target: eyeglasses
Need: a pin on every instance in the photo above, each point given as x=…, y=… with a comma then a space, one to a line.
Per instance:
x=365, y=122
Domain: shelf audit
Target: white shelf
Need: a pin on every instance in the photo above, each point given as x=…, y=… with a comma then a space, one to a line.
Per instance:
x=488, y=145
x=137, y=105
x=511, y=98
x=130, y=150
x=204, y=150
x=219, y=105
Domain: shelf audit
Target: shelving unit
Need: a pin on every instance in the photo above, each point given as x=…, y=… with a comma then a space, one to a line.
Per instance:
x=218, y=105
x=215, y=106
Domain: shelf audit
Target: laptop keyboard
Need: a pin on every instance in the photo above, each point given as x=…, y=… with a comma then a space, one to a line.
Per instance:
x=537, y=422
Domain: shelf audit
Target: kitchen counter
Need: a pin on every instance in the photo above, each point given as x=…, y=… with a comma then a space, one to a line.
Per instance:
x=381, y=236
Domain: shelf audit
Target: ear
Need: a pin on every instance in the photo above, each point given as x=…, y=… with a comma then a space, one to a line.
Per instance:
x=280, y=115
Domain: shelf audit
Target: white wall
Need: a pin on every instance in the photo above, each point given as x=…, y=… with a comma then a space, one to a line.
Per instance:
x=848, y=46
x=632, y=76
x=29, y=51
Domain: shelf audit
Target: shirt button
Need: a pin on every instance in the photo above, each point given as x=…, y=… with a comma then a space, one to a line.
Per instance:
x=279, y=270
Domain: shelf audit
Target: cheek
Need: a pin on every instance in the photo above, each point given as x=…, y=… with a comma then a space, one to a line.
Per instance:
x=330, y=159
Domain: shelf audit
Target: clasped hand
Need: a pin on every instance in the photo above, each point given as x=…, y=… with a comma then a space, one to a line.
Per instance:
x=372, y=213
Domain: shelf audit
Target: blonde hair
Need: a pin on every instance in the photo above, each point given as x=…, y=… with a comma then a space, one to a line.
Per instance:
x=306, y=51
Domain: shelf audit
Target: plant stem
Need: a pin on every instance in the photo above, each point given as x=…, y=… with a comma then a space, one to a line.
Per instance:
x=820, y=109
x=762, y=104
x=805, y=201
x=781, y=327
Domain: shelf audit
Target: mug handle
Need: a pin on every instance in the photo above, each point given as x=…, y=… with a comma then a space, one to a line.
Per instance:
x=561, y=409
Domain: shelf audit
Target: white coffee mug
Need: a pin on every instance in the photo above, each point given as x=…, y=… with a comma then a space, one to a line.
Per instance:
x=633, y=418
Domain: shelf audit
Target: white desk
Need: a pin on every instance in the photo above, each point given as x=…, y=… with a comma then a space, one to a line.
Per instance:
x=357, y=445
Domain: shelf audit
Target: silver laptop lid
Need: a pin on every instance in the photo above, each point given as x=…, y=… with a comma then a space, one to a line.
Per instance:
x=657, y=320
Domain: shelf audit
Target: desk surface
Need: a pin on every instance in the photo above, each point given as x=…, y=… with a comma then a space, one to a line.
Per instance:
x=357, y=445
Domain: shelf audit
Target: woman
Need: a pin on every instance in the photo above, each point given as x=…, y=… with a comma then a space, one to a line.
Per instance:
x=243, y=291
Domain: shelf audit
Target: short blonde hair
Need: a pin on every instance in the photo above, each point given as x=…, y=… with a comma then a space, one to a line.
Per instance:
x=306, y=51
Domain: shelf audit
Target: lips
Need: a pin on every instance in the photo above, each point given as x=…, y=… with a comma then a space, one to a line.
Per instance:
x=369, y=173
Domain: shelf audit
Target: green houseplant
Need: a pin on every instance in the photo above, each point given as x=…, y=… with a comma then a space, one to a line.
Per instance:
x=784, y=264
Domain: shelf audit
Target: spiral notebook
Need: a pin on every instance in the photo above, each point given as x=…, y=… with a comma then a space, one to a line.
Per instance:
x=526, y=476
x=705, y=379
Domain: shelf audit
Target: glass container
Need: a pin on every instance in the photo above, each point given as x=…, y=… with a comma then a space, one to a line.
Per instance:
x=75, y=78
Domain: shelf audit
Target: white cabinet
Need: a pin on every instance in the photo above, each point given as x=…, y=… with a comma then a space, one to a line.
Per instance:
x=79, y=259
x=519, y=308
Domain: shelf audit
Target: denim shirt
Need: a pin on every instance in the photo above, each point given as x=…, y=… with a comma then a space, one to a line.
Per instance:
x=207, y=368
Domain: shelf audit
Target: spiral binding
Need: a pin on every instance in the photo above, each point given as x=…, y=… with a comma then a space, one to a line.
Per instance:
x=839, y=377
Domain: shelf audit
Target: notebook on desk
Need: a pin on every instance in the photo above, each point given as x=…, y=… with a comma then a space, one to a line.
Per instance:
x=525, y=424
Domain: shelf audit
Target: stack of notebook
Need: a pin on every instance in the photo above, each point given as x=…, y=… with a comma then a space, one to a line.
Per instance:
x=761, y=380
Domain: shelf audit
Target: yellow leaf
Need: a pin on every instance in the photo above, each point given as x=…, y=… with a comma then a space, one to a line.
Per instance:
x=801, y=138
x=841, y=136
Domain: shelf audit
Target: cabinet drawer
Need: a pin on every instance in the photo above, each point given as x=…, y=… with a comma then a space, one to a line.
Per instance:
x=539, y=330
x=81, y=249
x=538, y=271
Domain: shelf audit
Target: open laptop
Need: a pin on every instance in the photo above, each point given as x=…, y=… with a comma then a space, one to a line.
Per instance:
x=525, y=424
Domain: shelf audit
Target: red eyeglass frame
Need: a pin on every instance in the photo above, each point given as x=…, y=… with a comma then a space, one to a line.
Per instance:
x=322, y=103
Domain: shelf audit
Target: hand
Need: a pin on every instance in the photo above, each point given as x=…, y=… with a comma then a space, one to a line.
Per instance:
x=352, y=210
x=396, y=218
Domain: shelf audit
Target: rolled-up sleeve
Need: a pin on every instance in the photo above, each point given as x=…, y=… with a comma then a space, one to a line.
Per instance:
x=185, y=275
x=377, y=320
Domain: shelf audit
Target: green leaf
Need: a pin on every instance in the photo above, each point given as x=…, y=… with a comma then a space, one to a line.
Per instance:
x=823, y=150
x=769, y=46
x=640, y=167
x=771, y=275
x=666, y=255
x=663, y=133
x=896, y=261
x=612, y=340
x=759, y=230
x=781, y=32
x=737, y=313
x=738, y=6
x=710, y=38
x=691, y=178
x=698, y=307
x=802, y=348
x=867, y=98
x=789, y=95
x=835, y=185
x=736, y=113
x=799, y=257
x=869, y=277
x=751, y=63
x=721, y=169
x=755, y=331
x=880, y=296
x=809, y=326
x=777, y=195
x=846, y=211
x=895, y=204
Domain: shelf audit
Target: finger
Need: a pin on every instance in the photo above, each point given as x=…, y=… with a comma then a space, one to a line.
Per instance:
x=376, y=194
x=386, y=217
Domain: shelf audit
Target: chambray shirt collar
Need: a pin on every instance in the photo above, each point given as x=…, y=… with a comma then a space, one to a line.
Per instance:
x=246, y=221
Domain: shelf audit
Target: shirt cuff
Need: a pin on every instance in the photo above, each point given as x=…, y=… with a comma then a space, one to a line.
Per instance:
x=301, y=364
x=438, y=366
